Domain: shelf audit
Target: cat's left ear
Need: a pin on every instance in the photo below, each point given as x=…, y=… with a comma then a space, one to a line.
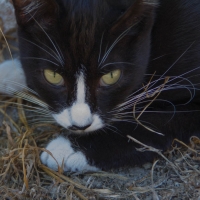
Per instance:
x=41, y=11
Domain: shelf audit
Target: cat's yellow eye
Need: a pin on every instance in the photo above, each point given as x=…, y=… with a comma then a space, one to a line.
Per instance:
x=53, y=77
x=110, y=78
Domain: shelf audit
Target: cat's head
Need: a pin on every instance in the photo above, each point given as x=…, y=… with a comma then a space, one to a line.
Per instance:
x=84, y=57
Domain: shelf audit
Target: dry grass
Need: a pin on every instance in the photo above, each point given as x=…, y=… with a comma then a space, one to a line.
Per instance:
x=22, y=176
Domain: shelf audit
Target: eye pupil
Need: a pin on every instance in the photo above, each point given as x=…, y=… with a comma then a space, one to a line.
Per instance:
x=111, y=73
x=110, y=78
x=53, y=77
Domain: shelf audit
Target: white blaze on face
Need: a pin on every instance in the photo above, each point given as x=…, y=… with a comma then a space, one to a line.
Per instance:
x=81, y=89
x=79, y=114
x=80, y=111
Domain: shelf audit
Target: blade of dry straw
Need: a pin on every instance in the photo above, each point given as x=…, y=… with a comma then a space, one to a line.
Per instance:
x=157, y=93
x=61, y=177
x=23, y=164
x=185, y=145
x=21, y=113
x=8, y=131
x=149, y=148
x=6, y=43
x=10, y=119
x=7, y=102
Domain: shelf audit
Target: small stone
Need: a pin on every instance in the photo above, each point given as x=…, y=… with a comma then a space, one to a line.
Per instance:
x=7, y=15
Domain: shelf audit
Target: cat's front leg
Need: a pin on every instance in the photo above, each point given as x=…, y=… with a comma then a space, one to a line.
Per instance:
x=12, y=77
x=114, y=149
x=66, y=157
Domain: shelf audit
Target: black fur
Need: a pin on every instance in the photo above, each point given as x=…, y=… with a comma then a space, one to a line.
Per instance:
x=164, y=38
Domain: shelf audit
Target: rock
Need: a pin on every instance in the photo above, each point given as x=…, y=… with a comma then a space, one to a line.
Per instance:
x=7, y=16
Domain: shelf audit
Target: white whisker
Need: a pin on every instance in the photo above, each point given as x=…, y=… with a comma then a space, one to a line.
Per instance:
x=21, y=86
x=34, y=58
x=58, y=54
x=32, y=6
x=113, y=129
x=116, y=63
x=175, y=62
x=41, y=122
x=26, y=96
x=29, y=108
x=101, y=46
x=41, y=49
x=131, y=99
x=121, y=36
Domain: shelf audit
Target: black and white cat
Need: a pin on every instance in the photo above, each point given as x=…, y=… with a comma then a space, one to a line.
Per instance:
x=107, y=69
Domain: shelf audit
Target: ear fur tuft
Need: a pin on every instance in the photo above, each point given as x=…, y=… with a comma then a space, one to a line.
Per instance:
x=28, y=10
x=151, y=2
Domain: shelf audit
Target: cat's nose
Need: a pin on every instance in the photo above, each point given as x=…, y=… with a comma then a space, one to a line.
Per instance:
x=81, y=116
x=81, y=128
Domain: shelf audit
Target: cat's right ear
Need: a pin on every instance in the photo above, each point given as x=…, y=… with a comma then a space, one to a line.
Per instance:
x=42, y=11
x=134, y=14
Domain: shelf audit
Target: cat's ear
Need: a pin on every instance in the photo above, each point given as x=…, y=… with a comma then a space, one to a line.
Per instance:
x=42, y=11
x=134, y=14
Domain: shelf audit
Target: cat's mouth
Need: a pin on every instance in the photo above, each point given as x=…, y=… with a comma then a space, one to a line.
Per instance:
x=95, y=125
x=79, y=120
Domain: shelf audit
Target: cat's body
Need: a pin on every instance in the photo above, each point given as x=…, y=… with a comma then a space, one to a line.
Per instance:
x=86, y=40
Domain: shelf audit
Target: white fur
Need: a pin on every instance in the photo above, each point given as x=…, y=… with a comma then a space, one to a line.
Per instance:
x=63, y=118
x=80, y=111
x=96, y=123
x=12, y=77
x=79, y=114
x=66, y=156
x=81, y=89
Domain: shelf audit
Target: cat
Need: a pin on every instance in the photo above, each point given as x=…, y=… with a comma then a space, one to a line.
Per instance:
x=106, y=69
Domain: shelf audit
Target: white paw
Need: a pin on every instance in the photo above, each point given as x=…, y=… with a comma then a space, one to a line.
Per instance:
x=66, y=156
x=12, y=77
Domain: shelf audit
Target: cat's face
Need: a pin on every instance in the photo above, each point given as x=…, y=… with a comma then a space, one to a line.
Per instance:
x=84, y=58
